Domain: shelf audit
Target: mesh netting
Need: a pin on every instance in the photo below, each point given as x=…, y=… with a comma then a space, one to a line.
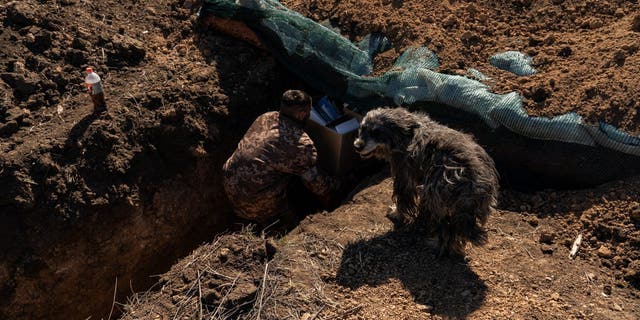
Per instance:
x=334, y=65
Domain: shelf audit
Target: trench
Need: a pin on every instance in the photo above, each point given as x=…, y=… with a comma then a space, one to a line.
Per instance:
x=82, y=270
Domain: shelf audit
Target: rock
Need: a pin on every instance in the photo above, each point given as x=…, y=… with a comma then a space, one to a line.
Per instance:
x=41, y=41
x=450, y=21
x=549, y=40
x=546, y=249
x=21, y=14
x=223, y=256
x=27, y=122
x=535, y=41
x=605, y=252
x=153, y=100
x=533, y=221
x=595, y=23
x=424, y=308
x=632, y=273
x=619, y=57
x=9, y=128
x=547, y=236
x=125, y=50
x=80, y=44
x=606, y=289
x=634, y=213
x=76, y=57
x=540, y=94
x=242, y=293
x=17, y=67
x=470, y=39
x=14, y=114
x=565, y=52
x=23, y=86
x=635, y=24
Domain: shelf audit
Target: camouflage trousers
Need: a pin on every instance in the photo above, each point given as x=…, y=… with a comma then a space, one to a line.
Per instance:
x=263, y=208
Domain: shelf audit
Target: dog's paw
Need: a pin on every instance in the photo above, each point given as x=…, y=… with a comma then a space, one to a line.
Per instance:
x=395, y=217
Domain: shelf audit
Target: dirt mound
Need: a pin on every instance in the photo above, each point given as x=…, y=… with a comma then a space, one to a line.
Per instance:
x=586, y=52
x=91, y=199
x=351, y=264
x=223, y=281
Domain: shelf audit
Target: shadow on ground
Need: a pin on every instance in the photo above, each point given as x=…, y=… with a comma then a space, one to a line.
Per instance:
x=448, y=287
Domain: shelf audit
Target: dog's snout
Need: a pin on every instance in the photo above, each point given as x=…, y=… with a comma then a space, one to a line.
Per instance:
x=358, y=144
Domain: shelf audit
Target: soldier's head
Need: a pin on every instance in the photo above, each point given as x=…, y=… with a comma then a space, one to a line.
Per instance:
x=296, y=104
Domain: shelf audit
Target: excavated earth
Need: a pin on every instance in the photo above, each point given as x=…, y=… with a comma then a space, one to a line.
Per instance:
x=352, y=264
x=93, y=206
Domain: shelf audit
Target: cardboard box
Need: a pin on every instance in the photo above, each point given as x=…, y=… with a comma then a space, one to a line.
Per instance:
x=336, y=155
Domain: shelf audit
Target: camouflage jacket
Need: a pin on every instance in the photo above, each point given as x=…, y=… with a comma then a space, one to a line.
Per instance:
x=274, y=149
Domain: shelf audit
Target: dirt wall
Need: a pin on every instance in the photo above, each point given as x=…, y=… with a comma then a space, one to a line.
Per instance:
x=88, y=198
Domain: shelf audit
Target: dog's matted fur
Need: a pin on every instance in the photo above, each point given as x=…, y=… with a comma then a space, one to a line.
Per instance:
x=442, y=177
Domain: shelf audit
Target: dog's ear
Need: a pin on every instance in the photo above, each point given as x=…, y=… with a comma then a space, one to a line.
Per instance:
x=407, y=122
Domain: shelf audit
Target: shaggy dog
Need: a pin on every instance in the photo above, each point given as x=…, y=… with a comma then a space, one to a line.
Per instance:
x=441, y=177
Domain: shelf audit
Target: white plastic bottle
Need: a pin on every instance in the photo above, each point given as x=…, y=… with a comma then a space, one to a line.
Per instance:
x=94, y=86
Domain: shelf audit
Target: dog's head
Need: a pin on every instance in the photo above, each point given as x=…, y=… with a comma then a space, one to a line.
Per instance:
x=383, y=131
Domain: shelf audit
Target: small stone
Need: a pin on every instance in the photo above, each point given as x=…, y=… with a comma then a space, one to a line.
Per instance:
x=540, y=94
x=450, y=21
x=535, y=41
x=604, y=252
x=546, y=249
x=565, y=52
x=555, y=296
x=533, y=221
x=549, y=40
x=9, y=128
x=632, y=273
x=27, y=122
x=18, y=67
x=469, y=38
x=547, y=236
x=80, y=44
x=635, y=213
x=243, y=292
x=76, y=57
x=635, y=24
x=619, y=58
x=606, y=289
x=16, y=114
x=21, y=13
x=616, y=307
x=595, y=24
x=224, y=254
x=425, y=308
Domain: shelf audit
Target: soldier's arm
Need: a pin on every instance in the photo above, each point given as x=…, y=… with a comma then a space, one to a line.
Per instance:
x=320, y=184
x=303, y=164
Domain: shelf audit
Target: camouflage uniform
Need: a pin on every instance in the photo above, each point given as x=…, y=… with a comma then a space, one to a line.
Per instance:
x=256, y=176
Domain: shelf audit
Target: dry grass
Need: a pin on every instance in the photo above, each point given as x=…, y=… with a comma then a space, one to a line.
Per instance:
x=233, y=263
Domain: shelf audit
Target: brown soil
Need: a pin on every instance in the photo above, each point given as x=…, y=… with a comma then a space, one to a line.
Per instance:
x=351, y=264
x=586, y=52
x=88, y=200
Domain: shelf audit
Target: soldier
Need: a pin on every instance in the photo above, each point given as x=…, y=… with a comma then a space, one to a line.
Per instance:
x=273, y=151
